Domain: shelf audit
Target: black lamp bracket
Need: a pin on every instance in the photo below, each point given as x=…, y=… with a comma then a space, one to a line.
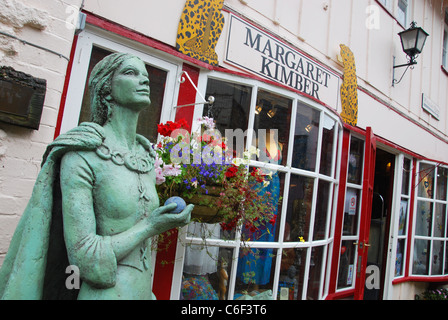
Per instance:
x=410, y=64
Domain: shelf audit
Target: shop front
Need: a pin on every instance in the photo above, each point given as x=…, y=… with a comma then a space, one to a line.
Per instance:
x=349, y=203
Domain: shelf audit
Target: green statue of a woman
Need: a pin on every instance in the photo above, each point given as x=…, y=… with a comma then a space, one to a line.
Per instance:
x=94, y=204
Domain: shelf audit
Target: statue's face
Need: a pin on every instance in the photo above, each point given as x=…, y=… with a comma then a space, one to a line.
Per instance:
x=130, y=85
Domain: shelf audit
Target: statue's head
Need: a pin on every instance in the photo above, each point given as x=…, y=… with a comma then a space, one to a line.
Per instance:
x=100, y=85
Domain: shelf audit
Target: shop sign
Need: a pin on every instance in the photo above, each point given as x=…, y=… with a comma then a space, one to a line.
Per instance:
x=256, y=51
x=429, y=106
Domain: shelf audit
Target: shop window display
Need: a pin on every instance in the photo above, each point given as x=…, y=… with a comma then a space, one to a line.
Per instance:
x=298, y=148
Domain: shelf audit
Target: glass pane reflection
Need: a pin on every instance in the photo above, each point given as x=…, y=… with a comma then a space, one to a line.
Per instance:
x=255, y=273
x=298, y=216
x=306, y=136
x=206, y=273
x=292, y=272
x=271, y=125
x=346, y=264
x=326, y=158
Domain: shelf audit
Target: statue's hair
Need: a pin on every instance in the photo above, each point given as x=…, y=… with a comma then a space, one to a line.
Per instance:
x=100, y=85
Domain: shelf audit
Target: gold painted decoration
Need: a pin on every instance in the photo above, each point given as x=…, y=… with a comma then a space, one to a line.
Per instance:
x=199, y=29
x=349, y=87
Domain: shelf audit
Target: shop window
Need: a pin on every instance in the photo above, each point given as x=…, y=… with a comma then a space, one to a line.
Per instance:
x=352, y=213
x=403, y=217
x=430, y=234
x=288, y=259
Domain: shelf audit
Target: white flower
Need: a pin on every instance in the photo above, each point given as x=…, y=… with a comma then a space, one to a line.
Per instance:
x=208, y=122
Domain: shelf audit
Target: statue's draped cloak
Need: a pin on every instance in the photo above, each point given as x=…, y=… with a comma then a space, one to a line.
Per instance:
x=36, y=262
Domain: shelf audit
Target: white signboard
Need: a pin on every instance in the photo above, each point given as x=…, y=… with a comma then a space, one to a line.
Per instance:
x=256, y=51
x=430, y=106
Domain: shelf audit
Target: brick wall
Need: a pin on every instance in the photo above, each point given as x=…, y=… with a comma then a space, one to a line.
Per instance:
x=49, y=24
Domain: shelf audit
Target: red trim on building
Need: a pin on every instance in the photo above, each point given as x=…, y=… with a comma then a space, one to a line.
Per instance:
x=339, y=212
x=164, y=269
x=121, y=30
x=65, y=88
x=187, y=94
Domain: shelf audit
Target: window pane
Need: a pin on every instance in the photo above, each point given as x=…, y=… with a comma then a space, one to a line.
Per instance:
x=315, y=276
x=406, y=177
x=399, y=262
x=403, y=217
x=439, y=220
x=231, y=107
x=424, y=218
x=203, y=231
x=426, y=180
x=326, y=158
x=268, y=232
x=355, y=161
x=351, y=212
x=320, y=220
x=421, y=257
x=442, y=175
x=299, y=208
x=255, y=273
x=273, y=113
x=437, y=257
x=150, y=117
x=206, y=274
x=346, y=264
x=292, y=272
x=306, y=136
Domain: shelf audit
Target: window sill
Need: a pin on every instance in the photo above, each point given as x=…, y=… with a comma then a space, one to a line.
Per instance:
x=441, y=279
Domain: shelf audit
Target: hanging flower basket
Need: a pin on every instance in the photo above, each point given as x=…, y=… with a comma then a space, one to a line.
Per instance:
x=206, y=208
x=224, y=190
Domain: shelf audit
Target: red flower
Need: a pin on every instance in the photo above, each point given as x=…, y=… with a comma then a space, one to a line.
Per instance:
x=231, y=172
x=274, y=218
x=168, y=128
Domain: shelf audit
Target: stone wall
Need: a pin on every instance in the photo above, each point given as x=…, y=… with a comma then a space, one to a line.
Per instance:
x=36, y=38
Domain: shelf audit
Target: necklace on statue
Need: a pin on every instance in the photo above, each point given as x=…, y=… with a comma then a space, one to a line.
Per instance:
x=133, y=161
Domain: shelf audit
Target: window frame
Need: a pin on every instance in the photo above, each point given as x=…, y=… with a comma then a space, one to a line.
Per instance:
x=279, y=245
x=93, y=36
x=352, y=238
x=406, y=230
x=431, y=238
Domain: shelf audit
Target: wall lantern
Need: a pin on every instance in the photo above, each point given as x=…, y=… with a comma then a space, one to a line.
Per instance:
x=412, y=41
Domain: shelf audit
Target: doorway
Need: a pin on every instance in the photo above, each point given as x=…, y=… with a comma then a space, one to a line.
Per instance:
x=379, y=225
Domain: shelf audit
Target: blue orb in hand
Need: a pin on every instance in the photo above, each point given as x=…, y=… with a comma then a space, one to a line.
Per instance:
x=181, y=204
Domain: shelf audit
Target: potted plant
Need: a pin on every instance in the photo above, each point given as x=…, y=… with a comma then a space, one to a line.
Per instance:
x=198, y=167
